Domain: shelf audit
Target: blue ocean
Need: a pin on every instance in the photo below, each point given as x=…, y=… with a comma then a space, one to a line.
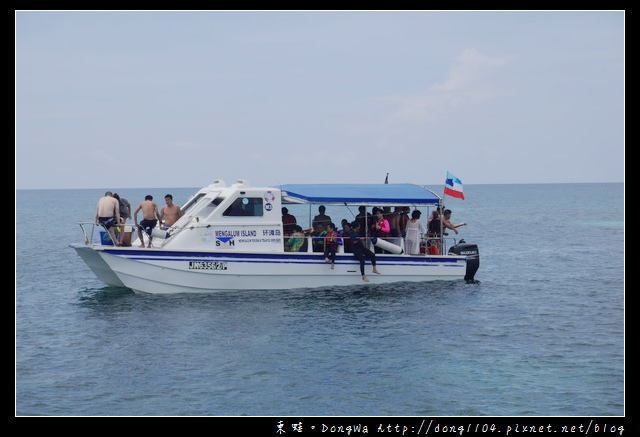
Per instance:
x=542, y=334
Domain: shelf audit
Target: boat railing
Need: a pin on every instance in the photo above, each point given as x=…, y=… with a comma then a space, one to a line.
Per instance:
x=442, y=243
x=312, y=243
x=88, y=235
x=92, y=230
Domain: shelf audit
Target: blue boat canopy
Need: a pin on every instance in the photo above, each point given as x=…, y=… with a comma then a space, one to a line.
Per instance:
x=370, y=194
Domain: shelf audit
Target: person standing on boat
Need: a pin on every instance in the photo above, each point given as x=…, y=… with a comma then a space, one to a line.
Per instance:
x=108, y=214
x=288, y=222
x=359, y=251
x=381, y=229
x=321, y=218
x=170, y=213
x=415, y=229
x=364, y=218
x=446, y=221
x=125, y=208
x=434, y=233
x=150, y=217
x=125, y=213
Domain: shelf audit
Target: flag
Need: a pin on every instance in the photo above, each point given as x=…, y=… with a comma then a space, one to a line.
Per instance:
x=453, y=187
x=386, y=180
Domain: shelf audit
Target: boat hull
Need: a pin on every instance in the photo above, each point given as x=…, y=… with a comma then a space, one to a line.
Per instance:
x=95, y=262
x=166, y=272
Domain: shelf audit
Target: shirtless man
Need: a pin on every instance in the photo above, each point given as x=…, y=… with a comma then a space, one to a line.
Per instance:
x=108, y=214
x=446, y=221
x=149, y=214
x=170, y=213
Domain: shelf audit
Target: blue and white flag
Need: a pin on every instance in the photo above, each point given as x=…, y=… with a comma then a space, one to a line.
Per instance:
x=453, y=187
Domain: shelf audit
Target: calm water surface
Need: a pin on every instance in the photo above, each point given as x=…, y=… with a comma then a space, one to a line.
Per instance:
x=542, y=334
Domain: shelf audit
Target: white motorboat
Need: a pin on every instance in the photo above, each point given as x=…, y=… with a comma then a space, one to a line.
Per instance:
x=231, y=238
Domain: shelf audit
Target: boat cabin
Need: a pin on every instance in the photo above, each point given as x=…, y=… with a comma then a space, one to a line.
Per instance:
x=222, y=217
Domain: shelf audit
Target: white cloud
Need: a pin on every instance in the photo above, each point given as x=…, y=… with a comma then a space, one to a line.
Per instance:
x=471, y=68
x=469, y=81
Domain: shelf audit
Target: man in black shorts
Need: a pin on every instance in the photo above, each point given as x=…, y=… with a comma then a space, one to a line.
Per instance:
x=108, y=213
x=150, y=217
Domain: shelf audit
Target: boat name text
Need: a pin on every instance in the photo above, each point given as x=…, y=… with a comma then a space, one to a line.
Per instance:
x=236, y=233
x=231, y=233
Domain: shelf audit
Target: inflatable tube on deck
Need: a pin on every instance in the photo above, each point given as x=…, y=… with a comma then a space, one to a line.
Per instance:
x=385, y=245
x=159, y=233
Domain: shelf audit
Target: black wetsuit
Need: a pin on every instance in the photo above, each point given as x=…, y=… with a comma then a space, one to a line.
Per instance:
x=359, y=251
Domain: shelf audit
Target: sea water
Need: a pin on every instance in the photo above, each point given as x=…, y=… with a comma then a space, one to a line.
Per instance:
x=541, y=335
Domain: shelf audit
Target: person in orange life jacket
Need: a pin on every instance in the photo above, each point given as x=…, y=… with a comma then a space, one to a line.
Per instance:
x=331, y=241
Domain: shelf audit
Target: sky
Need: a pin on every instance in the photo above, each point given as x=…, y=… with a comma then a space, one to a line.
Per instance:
x=137, y=99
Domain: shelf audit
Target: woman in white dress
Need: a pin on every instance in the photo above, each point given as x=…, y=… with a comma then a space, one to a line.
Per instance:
x=414, y=231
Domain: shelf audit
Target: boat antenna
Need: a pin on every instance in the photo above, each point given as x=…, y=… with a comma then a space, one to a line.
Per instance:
x=354, y=216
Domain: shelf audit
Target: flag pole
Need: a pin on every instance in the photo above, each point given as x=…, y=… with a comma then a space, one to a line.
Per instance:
x=440, y=211
x=444, y=188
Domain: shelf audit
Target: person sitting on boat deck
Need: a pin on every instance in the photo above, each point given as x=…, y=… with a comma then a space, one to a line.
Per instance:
x=108, y=214
x=295, y=243
x=150, y=217
x=415, y=230
x=321, y=218
x=288, y=222
x=170, y=213
x=344, y=235
x=446, y=222
x=331, y=242
x=318, y=234
x=360, y=251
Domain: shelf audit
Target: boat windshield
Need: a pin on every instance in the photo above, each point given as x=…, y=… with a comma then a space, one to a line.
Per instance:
x=206, y=210
x=201, y=205
x=190, y=204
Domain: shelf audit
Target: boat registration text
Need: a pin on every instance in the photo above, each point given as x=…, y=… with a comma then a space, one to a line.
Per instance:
x=207, y=265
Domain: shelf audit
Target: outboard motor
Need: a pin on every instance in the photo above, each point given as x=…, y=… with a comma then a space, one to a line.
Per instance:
x=473, y=259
